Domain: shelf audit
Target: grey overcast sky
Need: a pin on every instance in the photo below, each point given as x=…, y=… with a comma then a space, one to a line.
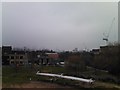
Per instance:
x=58, y=26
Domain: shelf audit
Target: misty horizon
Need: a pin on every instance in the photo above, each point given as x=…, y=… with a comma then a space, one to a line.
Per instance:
x=58, y=26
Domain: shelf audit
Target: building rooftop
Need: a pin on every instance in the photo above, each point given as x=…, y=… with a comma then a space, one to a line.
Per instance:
x=53, y=55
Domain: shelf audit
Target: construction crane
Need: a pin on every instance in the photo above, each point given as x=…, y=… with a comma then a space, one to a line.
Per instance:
x=106, y=36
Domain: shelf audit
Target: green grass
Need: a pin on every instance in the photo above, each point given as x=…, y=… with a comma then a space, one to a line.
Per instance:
x=99, y=75
x=10, y=76
x=23, y=74
x=52, y=69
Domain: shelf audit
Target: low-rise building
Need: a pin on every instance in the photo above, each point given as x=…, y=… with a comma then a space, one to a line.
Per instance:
x=18, y=58
x=10, y=57
x=48, y=58
x=6, y=50
x=52, y=58
x=95, y=51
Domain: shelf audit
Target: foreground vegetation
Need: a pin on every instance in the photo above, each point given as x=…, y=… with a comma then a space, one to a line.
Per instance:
x=14, y=76
x=11, y=75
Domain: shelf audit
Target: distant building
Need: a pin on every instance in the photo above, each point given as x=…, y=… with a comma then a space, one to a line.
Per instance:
x=53, y=56
x=18, y=57
x=75, y=50
x=103, y=48
x=6, y=50
x=48, y=58
x=106, y=49
x=95, y=51
x=10, y=57
x=21, y=57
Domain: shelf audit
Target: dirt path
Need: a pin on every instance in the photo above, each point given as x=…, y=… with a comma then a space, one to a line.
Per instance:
x=107, y=85
x=39, y=84
x=36, y=84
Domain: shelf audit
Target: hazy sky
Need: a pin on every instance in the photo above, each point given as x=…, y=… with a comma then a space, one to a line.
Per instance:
x=58, y=26
x=0, y=24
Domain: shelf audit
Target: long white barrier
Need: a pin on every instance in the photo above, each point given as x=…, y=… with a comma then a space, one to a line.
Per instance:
x=66, y=77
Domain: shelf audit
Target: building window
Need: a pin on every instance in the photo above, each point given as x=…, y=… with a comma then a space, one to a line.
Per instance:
x=7, y=57
x=12, y=57
x=17, y=57
x=21, y=62
x=21, y=57
x=17, y=62
x=12, y=62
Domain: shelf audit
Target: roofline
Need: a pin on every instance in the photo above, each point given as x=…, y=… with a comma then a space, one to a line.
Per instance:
x=51, y=53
